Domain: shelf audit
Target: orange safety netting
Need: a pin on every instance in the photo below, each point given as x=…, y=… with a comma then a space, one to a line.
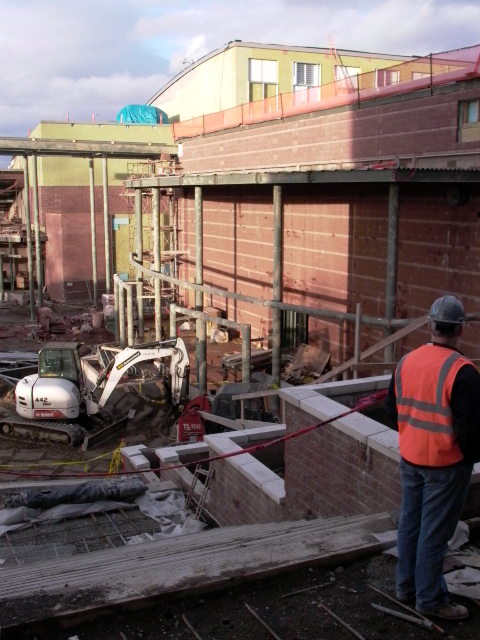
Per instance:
x=420, y=73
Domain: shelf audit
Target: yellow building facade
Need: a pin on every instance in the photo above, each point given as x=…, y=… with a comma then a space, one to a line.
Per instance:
x=244, y=72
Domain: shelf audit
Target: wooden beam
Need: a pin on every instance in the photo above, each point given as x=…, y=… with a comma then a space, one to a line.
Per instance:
x=413, y=326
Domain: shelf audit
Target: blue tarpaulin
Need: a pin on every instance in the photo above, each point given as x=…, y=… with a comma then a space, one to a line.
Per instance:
x=142, y=114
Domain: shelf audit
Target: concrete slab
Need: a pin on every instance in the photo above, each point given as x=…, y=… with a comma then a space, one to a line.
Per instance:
x=275, y=489
x=296, y=394
x=386, y=443
x=258, y=473
x=29, y=455
x=206, y=560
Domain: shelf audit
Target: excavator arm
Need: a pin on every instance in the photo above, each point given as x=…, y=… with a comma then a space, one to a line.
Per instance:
x=179, y=370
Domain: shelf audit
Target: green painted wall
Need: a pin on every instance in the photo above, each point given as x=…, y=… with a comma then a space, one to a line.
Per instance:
x=221, y=82
x=64, y=171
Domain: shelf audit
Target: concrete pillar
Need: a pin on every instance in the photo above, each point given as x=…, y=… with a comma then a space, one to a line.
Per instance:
x=156, y=263
x=277, y=285
x=38, y=245
x=139, y=252
x=31, y=278
x=392, y=257
x=93, y=233
x=106, y=227
x=198, y=274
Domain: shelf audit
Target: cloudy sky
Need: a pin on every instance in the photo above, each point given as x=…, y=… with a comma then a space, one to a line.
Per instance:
x=95, y=56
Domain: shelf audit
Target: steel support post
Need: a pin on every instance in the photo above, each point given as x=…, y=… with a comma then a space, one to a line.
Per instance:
x=277, y=286
x=2, y=286
x=26, y=201
x=173, y=321
x=139, y=252
x=106, y=227
x=392, y=256
x=246, y=352
x=38, y=246
x=12, y=273
x=356, y=350
x=117, y=307
x=199, y=270
x=121, y=317
x=93, y=233
x=173, y=220
x=156, y=263
x=130, y=325
x=202, y=355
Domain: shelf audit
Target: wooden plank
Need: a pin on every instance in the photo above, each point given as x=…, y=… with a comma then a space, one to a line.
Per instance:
x=413, y=326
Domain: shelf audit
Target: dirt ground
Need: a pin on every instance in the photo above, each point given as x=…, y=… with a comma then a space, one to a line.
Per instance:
x=224, y=615
x=344, y=590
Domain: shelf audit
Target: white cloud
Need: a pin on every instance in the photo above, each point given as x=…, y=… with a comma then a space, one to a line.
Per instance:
x=98, y=55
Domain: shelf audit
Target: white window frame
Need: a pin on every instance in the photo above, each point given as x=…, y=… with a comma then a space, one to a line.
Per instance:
x=259, y=72
x=351, y=74
x=317, y=71
x=420, y=75
x=386, y=71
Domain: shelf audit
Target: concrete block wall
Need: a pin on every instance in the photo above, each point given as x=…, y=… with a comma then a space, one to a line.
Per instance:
x=348, y=467
x=242, y=489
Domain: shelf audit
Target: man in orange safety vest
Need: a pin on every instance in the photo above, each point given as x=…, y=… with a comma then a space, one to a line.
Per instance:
x=434, y=396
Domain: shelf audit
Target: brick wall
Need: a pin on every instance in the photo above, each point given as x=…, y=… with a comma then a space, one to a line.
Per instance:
x=65, y=212
x=235, y=500
x=335, y=250
x=413, y=126
x=328, y=473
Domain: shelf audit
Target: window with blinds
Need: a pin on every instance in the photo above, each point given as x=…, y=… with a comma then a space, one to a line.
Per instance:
x=306, y=74
x=386, y=77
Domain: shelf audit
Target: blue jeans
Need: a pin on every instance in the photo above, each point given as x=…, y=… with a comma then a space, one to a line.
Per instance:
x=432, y=502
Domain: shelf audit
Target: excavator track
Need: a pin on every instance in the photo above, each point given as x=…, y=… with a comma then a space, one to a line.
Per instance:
x=14, y=426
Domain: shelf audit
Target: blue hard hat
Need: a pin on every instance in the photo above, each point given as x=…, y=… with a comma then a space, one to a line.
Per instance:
x=448, y=310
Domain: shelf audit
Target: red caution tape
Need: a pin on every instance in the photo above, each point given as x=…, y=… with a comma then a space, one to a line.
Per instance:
x=363, y=403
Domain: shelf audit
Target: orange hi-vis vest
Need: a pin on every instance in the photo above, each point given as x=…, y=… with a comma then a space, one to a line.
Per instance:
x=423, y=387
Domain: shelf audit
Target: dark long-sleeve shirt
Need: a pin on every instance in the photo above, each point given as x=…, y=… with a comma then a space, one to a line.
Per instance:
x=465, y=406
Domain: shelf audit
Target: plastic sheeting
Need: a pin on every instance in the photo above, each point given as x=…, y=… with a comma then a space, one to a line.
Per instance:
x=165, y=507
x=120, y=490
x=142, y=114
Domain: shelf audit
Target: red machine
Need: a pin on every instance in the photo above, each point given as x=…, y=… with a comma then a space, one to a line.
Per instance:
x=190, y=426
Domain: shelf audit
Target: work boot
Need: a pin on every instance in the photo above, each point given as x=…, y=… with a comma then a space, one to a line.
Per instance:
x=448, y=611
x=405, y=599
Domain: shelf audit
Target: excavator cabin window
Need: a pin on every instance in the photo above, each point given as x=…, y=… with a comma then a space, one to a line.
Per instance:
x=59, y=363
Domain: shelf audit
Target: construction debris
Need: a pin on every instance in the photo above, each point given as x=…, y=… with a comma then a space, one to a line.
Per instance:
x=427, y=624
x=308, y=362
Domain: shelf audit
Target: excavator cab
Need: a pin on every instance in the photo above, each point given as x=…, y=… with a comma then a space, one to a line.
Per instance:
x=60, y=360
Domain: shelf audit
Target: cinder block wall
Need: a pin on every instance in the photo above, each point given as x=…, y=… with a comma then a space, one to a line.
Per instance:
x=328, y=473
